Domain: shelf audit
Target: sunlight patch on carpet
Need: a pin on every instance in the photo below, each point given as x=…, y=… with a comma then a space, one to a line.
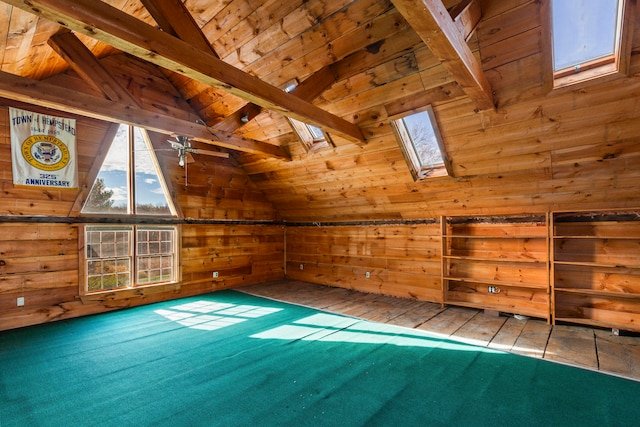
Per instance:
x=333, y=328
x=198, y=314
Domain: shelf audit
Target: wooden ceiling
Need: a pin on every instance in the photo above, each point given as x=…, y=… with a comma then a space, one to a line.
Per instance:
x=479, y=63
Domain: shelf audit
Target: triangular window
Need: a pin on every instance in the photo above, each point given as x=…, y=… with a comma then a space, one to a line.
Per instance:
x=118, y=190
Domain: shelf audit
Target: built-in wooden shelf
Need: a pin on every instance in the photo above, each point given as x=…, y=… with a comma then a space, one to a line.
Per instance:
x=595, y=268
x=497, y=263
x=494, y=282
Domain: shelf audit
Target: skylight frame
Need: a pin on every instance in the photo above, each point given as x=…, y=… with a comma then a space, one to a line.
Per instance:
x=312, y=137
x=613, y=65
x=418, y=167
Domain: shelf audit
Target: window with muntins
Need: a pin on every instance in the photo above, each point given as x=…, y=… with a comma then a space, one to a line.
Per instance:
x=126, y=256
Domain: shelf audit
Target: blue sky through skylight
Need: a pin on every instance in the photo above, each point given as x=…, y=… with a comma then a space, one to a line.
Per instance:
x=583, y=30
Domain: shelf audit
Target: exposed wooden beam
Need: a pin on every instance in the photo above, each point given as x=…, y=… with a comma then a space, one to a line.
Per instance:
x=174, y=18
x=239, y=118
x=308, y=90
x=311, y=87
x=61, y=98
x=103, y=22
x=466, y=15
x=436, y=28
x=87, y=66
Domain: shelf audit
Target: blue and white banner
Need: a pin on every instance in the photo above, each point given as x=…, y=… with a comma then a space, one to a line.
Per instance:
x=43, y=150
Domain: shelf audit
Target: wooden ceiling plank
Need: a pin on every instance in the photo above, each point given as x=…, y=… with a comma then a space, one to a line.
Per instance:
x=415, y=101
x=436, y=28
x=122, y=31
x=87, y=66
x=60, y=98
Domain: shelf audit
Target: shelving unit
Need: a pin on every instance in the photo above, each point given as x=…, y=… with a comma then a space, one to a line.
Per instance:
x=497, y=263
x=596, y=268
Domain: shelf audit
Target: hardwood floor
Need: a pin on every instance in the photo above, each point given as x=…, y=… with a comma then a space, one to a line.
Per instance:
x=591, y=348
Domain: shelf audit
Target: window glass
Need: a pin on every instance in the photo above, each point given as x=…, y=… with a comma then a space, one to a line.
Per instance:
x=114, y=189
x=150, y=190
x=110, y=191
x=108, y=258
x=583, y=31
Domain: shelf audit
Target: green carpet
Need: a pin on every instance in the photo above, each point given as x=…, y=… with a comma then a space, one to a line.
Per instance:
x=231, y=359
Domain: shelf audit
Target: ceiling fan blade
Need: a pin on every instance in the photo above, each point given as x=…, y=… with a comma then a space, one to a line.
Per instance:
x=210, y=153
x=175, y=145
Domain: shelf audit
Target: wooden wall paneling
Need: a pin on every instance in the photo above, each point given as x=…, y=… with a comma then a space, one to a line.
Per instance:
x=402, y=260
x=39, y=261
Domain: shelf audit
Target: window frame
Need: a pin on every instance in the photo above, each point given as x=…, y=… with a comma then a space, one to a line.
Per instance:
x=307, y=138
x=134, y=287
x=131, y=209
x=409, y=152
x=610, y=66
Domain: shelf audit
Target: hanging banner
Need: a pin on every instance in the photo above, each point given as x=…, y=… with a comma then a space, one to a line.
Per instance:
x=43, y=150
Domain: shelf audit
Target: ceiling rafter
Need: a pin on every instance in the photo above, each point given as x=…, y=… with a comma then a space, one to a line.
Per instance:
x=437, y=29
x=122, y=31
x=82, y=61
x=61, y=98
x=308, y=89
x=89, y=68
x=173, y=17
x=466, y=16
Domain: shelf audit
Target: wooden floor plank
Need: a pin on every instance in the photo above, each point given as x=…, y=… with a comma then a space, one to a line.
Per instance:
x=507, y=336
x=386, y=309
x=420, y=314
x=480, y=329
x=448, y=321
x=573, y=345
x=533, y=339
x=617, y=354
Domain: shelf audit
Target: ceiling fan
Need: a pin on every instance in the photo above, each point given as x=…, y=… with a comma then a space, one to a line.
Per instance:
x=183, y=146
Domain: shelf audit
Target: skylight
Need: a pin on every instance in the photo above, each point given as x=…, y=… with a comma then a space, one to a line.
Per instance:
x=421, y=143
x=312, y=137
x=586, y=39
x=583, y=31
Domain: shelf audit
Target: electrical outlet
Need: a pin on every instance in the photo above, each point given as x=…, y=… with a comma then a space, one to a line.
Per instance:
x=301, y=266
x=493, y=290
x=215, y=274
x=20, y=301
x=367, y=275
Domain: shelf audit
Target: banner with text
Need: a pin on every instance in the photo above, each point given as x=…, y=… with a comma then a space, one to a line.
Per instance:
x=43, y=150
